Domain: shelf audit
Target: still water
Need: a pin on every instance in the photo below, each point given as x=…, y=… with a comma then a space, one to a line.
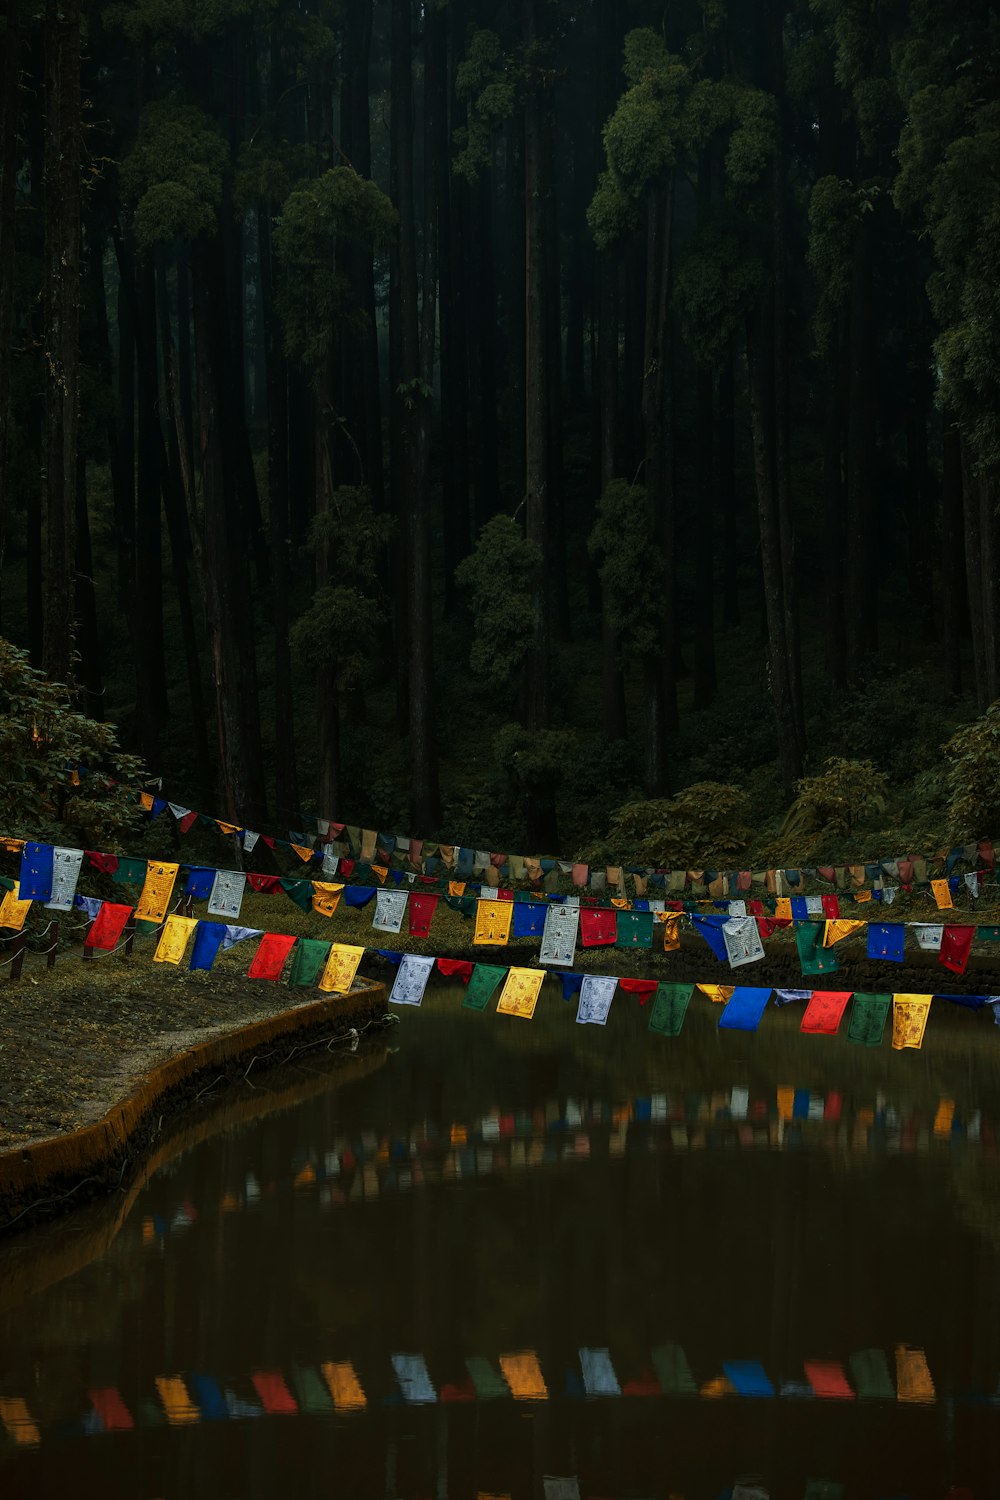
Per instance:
x=489, y=1257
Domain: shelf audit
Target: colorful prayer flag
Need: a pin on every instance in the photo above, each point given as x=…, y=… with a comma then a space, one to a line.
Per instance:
x=909, y=1020
x=156, y=891
x=341, y=967
x=493, y=920
x=482, y=984
x=824, y=1012
x=669, y=1008
x=596, y=995
x=108, y=926
x=174, y=939
x=411, y=980
x=269, y=960
x=520, y=993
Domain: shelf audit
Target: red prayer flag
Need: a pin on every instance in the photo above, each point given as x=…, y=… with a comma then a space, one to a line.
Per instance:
x=106, y=863
x=641, y=987
x=269, y=960
x=905, y=867
x=346, y=868
x=986, y=854
x=274, y=1394
x=755, y=907
x=267, y=885
x=466, y=1392
x=831, y=908
x=461, y=966
x=188, y=821
x=420, y=910
x=766, y=926
x=598, y=927
x=111, y=1410
x=108, y=925
x=827, y=1379
x=824, y=1011
x=955, y=945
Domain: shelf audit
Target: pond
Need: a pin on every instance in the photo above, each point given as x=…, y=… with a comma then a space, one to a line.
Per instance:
x=492, y=1257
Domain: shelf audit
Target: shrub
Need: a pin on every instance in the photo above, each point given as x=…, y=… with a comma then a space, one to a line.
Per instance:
x=703, y=823
x=973, y=777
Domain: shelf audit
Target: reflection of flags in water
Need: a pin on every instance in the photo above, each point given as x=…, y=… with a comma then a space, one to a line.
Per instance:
x=414, y=1381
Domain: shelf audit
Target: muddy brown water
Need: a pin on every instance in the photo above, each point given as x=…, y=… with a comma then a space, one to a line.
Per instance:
x=493, y=1257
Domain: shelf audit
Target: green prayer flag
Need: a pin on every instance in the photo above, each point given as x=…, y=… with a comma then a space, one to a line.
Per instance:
x=307, y=961
x=464, y=905
x=814, y=958
x=7, y=884
x=485, y=978
x=868, y=1017
x=145, y=928
x=673, y=1371
x=488, y=1382
x=313, y=1397
x=870, y=1372
x=300, y=891
x=635, y=929
x=130, y=871
x=669, y=1008
x=988, y=934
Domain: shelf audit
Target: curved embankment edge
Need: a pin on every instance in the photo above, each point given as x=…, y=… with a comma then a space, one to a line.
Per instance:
x=37, y=1175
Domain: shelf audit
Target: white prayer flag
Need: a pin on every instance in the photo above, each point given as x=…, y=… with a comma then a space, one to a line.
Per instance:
x=559, y=935
x=389, y=909
x=737, y=908
x=411, y=979
x=596, y=994
x=599, y=1378
x=488, y=893
x=236, y=935
x=226, y=897
x=929, y=935
x=742, y=940
x=814, y=906
x=65, y=873
x=249, y=839
x=330, y=863
x=972, y=882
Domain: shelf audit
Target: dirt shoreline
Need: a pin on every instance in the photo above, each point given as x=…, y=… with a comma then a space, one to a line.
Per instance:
x=118, y=1087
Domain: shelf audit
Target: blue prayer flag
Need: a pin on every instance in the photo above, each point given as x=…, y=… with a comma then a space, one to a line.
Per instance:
x=745, y=1008
x=208, y=937
x=885, y=940
x=35, y=880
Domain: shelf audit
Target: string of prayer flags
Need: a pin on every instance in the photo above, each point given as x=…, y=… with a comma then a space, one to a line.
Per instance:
x=813, y=958
x=108, y=926
x=742, y=940
x=420, y=911
x=156, y=891
x=824, y=1012
x=226, y=899
x=598, y=926
x=520, y=993
x=559, y=935
x=13, y=910
x=389, y=909
x=207, y=941
x=955, y=945
x=35, y=879
x=885, y=940
x=411, y=980
x=596, y=995
x=326, y=897
x=174, y=939
x=66, y=865
x=641, y=987
x=835, y=932
x=493, y=920
x=269, y=960
x=942, y=894
x=635, y=929
x=482, y=985
x=744, y=1009
x=341, y=967
x=669, y=1008
x=909, y=1020
x=308, y=961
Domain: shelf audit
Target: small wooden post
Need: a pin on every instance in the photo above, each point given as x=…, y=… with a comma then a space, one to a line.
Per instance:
x=17, y=964
x=189, y=906
x=50, y=957
x=129, y=936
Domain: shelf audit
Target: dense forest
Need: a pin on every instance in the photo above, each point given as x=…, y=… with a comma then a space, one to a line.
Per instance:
x=480, y=417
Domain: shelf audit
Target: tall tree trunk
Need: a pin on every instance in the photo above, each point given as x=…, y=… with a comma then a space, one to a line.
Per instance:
x=537, y=428
x=63, y=152
x=10, y=99
x=515, y=335
x=147, y=619
x=834, y=511
x=953, y=584
x=613, y=681
x=729, y=496
x=483, y=354
x=708, y=485
x=123, y=450
x=862, y=576
x=452, y=248
x=85, y=603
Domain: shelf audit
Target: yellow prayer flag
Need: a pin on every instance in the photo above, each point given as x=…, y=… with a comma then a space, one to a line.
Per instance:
x=523, y=1374
x=671, y=922
x=368, y=840
x=74, y=777
x=326, y=897
x=17, y=1419
x=344, y=1386
x=944, y=1117
x=520, y=993
x=620, y=901
x=156, y=891
x=717, y=992
x=861, y=896
x=942, y=894
x=173, y=939
x=226, y=827
x=304, y=854
x=456, y=888
x=12, y=846
x=146, y=801
x=13, y=910
x=341, y=967
x=913, y=1378
x=176, y=1402
x=909, y=1020
x=783, y=909
x=786, y=1101
x=380, y=871
x=493, y=919
x=835, y=932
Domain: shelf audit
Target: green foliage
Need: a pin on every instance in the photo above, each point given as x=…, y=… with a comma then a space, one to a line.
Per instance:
x=312, y=296
x=630, y=566
x=339, y=630
x=164, y=20
x=499, y=579
x=41, y=738
x=973, y=777
x=705, y=822
x=717, y=282
x=486, y=81
x=833, y=223
x=844, y=794
x=173, y=175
